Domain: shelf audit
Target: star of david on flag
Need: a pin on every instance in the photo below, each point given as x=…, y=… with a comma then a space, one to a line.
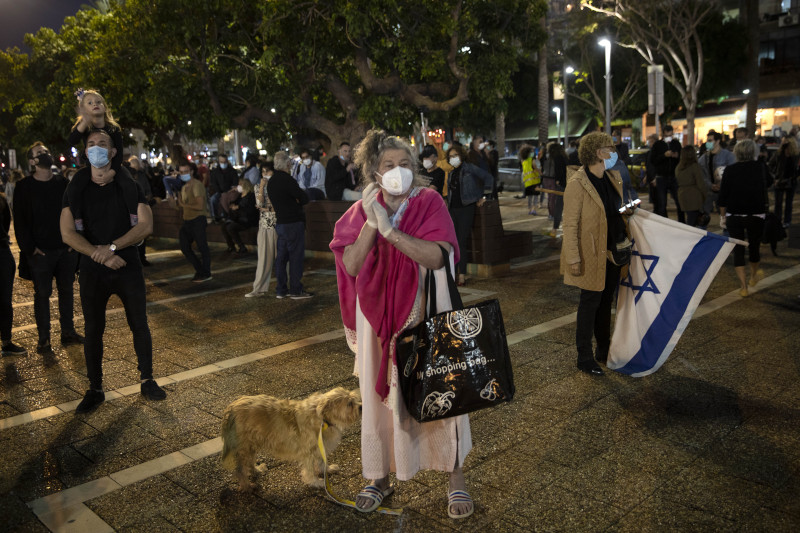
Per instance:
x=672, y=266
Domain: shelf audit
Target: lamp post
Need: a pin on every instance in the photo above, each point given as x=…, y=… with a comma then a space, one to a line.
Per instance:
x=567, y=70
x=558, y=123
x=605, y=43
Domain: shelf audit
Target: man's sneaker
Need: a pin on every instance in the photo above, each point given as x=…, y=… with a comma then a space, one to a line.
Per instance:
x=10, y=348
x=281, y=296
x=152, y=391
x=302, y=296
x=91, y=400
x=200, y=278
x=71, y=338
x=44, y=348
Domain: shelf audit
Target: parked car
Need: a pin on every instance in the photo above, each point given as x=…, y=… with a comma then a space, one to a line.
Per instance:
x=509, y=174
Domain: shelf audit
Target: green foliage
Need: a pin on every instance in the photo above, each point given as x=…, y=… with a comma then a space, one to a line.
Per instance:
x=226, y=63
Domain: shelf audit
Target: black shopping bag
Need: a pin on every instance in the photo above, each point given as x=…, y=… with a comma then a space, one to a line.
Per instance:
x=455, y=362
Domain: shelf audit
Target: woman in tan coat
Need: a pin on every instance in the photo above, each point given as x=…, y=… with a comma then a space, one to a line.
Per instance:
x=691, y=185
x=592, y=226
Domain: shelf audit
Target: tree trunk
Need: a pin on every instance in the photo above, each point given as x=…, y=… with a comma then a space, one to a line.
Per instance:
x=544, y=91
x=751, y=22
x=691, y=111
x=500, y=132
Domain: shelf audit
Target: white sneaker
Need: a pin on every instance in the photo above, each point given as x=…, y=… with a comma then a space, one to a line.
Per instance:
x=255, y=294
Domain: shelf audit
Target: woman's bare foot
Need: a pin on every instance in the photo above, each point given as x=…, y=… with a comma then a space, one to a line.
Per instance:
x=457, y=483
x=363, y=502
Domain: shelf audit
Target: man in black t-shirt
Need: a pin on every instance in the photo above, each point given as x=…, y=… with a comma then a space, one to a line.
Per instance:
x=112, y=218
x=37, y=210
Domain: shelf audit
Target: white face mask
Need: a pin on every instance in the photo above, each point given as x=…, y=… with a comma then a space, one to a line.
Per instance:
x=397, y=181
x=307, y=162
x=455, y=161
x=481, y=146
x=668, y=139
x=427, y=163
x=239, y=189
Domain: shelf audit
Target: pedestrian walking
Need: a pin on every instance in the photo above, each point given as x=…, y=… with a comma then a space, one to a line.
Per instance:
x=192, y=203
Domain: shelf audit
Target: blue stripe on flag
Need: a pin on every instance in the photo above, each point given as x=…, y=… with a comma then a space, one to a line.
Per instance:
x=674, y=305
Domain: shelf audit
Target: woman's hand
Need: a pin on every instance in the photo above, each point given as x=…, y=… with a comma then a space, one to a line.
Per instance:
x=384, y=224
x=575, y=269
x=481, y=202
x=369, y=199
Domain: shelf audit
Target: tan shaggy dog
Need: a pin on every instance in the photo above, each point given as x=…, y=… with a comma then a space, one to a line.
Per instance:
x=286, y=430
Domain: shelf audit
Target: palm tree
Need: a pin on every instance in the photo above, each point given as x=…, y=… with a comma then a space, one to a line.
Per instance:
x=544, y=91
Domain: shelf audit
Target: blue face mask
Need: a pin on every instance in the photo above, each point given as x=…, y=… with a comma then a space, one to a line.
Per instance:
x=710, y=145
x=223, y=166
x=98, y=156
x=609, y=163
x=185, y=177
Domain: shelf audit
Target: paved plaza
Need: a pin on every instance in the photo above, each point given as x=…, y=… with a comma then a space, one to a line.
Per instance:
x=710, y=442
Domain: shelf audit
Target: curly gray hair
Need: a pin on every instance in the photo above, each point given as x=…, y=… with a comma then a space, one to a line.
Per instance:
x=369, y=152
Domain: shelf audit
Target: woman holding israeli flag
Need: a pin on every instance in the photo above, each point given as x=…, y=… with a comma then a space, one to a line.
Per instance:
x=595, y=245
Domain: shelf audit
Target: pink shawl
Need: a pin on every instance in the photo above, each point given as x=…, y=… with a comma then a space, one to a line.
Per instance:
x=386, y=286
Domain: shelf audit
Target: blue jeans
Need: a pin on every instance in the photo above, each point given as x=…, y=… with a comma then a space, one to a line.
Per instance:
x=194, y=230
x=97, y=286
x=291, y=249
x=216, y=209
x=61, y=264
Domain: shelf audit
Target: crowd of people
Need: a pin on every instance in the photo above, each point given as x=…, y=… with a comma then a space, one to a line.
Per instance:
x=410, y=214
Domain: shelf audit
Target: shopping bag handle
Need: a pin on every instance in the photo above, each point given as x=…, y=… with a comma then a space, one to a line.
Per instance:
x=430, y=287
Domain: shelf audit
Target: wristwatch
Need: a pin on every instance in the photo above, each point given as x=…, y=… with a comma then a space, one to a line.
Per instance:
x=112, y=247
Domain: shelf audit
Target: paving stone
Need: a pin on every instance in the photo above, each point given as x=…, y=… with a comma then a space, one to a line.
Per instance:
x=657, y=514
x=710, y=488
x=17, y=516
x=709, y=442
x=139, y=503
x=558, y=509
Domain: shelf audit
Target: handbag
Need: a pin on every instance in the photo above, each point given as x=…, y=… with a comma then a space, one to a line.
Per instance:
x=621, y=255
x=455, y=362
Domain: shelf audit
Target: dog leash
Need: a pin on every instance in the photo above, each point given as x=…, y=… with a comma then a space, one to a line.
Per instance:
x=329, y=490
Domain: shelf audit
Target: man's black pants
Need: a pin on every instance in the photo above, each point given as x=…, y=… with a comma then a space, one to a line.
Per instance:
x=97, y=286
x=61, y=264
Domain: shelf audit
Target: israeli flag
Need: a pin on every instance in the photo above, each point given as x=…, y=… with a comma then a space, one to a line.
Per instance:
x=671, y=269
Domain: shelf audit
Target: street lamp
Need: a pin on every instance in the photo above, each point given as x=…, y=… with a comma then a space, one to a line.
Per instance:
x=567, y=70
x=558, y=123
x=605, y=43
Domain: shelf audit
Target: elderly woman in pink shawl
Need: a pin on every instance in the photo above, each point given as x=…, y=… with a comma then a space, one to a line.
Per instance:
x=384, y=245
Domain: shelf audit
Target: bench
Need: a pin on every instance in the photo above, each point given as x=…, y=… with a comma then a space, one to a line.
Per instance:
x=490, y=251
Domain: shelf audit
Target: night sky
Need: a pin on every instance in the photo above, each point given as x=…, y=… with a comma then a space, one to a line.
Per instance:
x=18, y=17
